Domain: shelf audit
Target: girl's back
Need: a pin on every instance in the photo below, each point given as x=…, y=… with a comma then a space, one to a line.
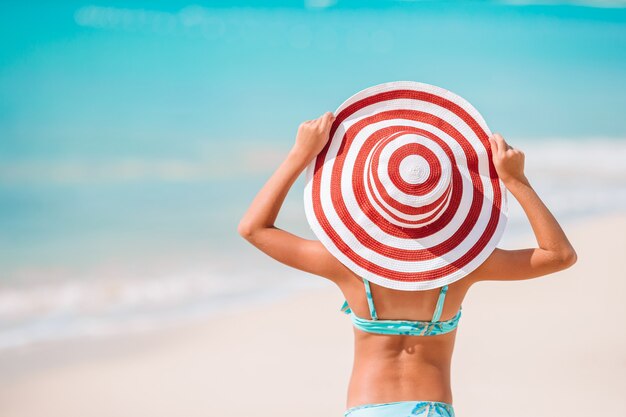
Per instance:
x=396, y=367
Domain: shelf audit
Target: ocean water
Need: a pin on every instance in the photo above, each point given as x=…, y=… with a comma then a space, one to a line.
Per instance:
x=133, y=136
x=132, y=258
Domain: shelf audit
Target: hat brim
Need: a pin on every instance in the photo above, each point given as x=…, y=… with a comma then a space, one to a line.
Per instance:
x=405, y=193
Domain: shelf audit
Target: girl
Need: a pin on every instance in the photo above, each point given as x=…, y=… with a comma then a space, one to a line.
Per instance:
x=395, y=373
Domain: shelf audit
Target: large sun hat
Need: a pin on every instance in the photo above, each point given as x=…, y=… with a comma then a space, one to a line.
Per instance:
x=405, y=193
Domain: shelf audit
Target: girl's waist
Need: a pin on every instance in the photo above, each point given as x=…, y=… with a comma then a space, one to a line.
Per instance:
x=369, y=387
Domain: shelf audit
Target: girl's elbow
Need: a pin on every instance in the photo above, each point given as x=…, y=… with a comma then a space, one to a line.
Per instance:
x=245, y=230
x=250, y=231
x=566, y=258
x=571, y=258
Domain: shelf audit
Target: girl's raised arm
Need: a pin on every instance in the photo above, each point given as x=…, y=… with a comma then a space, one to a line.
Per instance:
x=257, y=225
x=554, y=251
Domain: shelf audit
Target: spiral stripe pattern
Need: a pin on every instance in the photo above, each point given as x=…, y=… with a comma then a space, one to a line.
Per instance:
x=405, y=192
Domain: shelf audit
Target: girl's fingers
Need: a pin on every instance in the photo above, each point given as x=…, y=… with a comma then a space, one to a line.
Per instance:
x=502, y=146
x=494, y=145
x=325, y=120
x=320, y=120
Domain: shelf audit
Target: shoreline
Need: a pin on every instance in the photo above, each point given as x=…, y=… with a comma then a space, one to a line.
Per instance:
x=65, y=314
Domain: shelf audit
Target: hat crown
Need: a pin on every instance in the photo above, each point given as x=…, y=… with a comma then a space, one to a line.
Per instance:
x=414, y=169
x=409, y=169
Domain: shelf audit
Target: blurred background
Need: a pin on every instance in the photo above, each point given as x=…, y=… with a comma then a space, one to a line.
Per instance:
x=134, y=135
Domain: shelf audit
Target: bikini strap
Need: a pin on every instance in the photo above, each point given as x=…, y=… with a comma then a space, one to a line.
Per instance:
x=440, y=300
x=370, y=300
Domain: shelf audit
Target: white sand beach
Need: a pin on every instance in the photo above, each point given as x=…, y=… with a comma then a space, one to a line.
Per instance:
x=553, y=346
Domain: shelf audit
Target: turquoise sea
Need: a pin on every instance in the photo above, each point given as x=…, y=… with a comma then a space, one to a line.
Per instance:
x=133, y=135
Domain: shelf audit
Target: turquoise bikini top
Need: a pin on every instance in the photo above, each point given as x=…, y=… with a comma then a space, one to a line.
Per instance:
x=403, y=327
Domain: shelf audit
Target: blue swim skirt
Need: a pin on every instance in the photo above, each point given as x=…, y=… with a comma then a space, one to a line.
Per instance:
x=402, y=409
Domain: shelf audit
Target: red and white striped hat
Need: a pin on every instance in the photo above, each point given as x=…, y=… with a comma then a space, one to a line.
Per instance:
x=405, y=193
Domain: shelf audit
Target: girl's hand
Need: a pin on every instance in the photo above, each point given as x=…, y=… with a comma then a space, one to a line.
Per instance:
x=509, y=162
x=313, y=135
